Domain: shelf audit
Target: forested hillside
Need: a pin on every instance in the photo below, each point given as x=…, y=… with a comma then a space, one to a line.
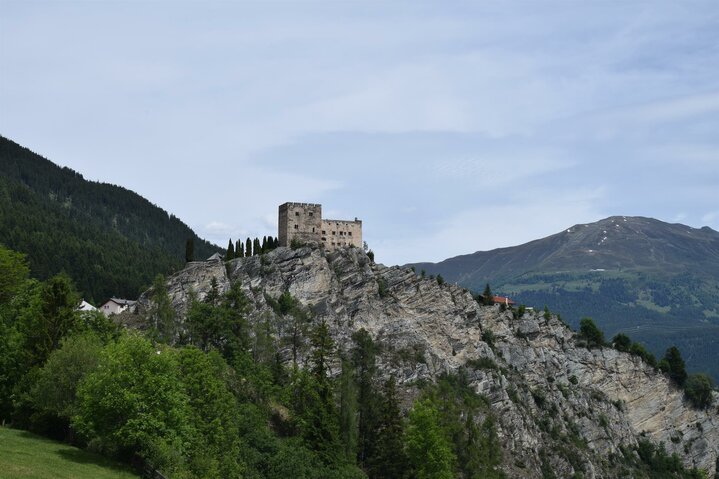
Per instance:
x=110, y=240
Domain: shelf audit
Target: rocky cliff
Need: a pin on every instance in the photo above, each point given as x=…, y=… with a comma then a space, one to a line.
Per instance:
x=558, y=406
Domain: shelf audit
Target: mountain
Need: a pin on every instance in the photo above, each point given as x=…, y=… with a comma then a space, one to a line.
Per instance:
x=549, y=406
x=657, y=282
x=110, y=240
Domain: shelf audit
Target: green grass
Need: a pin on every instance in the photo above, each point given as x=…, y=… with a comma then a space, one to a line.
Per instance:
x=25, y=455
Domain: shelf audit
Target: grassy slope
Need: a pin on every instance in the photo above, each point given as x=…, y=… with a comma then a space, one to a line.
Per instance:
x=24, y=455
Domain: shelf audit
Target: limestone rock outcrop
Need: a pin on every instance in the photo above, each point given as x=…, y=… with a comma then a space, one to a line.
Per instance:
x=556, y=403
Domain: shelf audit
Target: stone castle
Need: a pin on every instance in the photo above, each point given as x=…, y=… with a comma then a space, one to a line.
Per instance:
x=303, y=222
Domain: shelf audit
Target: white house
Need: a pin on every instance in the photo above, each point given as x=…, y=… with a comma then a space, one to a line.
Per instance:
x=116, y=306
x=85, y=306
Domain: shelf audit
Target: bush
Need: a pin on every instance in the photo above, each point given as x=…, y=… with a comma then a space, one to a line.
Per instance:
x=621, y=342
x=591, y=333
x=698, y=390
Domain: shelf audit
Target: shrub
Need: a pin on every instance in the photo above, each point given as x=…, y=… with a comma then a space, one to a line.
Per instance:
x=621, y=342
x=590, y=333
x=698, y=390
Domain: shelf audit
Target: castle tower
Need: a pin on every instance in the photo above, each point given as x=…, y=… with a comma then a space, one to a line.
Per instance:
x=300, y=221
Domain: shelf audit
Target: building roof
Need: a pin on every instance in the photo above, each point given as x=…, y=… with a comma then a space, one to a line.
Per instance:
x=214, y=257
x=502, y=299
x=85, y=306
x=122, y=302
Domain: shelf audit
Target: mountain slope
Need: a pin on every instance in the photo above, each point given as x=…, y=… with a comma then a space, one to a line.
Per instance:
x=656, y=281
x=110, y=240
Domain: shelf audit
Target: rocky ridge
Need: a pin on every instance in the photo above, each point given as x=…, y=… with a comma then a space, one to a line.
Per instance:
x=557, y=404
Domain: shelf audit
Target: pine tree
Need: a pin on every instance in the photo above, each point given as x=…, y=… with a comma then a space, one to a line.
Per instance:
x=248, y=247
x=348, y=412
x=240, y=251
x=189, y=250
x=162, y=314
x=675, y=365
x=390, y=460
x=364, y=361
x=487, y=296
x=230, y=251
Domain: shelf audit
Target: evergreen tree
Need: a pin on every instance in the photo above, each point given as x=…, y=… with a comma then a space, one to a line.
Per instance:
x=240, y=250
x=162, y=314
x=256, y=247
x=487, y=296
x=348, y=412
x=675, y=366
x=189, y=250
x=230, y=251
x=248, y=247
x=318, y=416
x=590, y=333
x=622, y=342
x=390, y=460
x=264, y=247
x=364, y=355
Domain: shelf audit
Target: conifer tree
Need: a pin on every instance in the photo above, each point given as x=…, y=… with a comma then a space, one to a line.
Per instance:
x=673, y=364
x=390, y=460
x=240, y=251
x=348, y=412
x=264, y=245
x=230, y=251
x=364, y=361
x=248, y=247
x=189, y=250
x=487, y=296
x=256, y=247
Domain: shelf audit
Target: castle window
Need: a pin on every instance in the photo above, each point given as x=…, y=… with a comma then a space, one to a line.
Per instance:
x=349, y=233
x=323, y=232
x=311, y=213
x=297, y=227
x=297, y=213
x=334, y=232
x=313, y=228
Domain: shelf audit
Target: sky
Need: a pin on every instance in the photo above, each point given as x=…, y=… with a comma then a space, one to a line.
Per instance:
x=447, y=127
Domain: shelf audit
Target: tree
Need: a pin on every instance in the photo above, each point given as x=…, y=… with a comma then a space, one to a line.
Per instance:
x=189, y=250
x=54, y=316
x=363, y=356
x=161, y=315
x=14, y=271
x=348, y=412
x=230, y=251
x=256, y=247
x=248, y=247
x=316, y=402
x=264, y=247
x=390, y=460
x=622, y=342
x=591, y=334
x=440, y=280
x=54, y=390
x=487, y=296
x=134, y=404
x=673, y=364
x=428, y=450
x=698, y=390
x=240, y=249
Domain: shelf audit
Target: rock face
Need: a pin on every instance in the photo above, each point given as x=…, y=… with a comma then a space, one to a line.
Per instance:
x=557, y=404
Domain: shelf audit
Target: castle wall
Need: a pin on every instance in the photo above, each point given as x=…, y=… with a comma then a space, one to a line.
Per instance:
x=301, y=221
x=339, y=233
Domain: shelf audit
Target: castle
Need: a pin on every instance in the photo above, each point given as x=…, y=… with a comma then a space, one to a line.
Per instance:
x=303, y=222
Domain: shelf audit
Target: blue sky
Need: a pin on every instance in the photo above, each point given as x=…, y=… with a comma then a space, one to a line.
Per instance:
x=447, y=127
